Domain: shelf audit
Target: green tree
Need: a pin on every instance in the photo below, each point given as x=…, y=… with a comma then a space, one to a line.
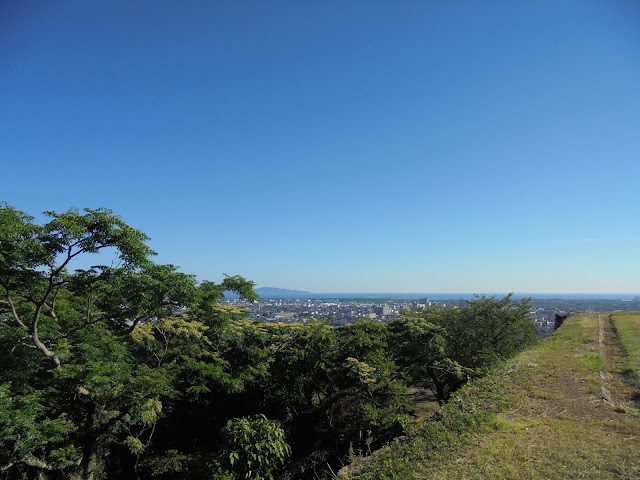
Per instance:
x=443, y=347
x=95, y=354
x=332, y=387
x=255, y=447
x=489, y=330
x=419, y=347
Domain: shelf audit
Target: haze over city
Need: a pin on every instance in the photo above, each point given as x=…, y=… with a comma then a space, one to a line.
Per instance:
x=331, y=147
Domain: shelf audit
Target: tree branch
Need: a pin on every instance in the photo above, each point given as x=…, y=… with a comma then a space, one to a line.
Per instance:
x=32, y=461
x=133, y=325
x=16, y=317
x=38, y=343
x=53, y=306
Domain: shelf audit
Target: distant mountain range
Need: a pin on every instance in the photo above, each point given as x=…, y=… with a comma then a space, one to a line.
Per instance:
x=272, y=292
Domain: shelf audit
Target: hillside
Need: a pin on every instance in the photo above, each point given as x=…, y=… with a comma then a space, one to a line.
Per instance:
x=273, y=292
x=566, y=408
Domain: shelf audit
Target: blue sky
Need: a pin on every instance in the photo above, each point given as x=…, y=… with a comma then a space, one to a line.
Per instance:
x=365, y=146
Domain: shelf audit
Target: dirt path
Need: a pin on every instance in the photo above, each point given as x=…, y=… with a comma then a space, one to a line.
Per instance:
x=555, y=391
x=604, y=354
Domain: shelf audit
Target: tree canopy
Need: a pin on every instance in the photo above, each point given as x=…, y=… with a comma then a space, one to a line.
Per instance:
x=133, y=369
x=92, y=355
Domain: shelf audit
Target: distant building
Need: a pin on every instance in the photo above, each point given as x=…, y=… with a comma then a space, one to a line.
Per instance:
x=424, y=303
x=382, y=311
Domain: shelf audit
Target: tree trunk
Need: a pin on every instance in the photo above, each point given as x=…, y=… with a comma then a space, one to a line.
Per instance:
x=92, y=465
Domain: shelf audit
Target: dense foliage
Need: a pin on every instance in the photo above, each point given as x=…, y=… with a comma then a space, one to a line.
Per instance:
x=135, y=370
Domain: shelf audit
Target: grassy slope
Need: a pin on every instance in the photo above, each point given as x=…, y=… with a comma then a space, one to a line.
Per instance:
x=628, y=326
x=541, y=416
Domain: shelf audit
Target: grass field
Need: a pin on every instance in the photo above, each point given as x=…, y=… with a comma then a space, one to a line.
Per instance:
x=541, y=416
x=628, y=327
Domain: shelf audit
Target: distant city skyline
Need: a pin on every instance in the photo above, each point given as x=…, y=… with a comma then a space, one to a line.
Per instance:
x=339, y=147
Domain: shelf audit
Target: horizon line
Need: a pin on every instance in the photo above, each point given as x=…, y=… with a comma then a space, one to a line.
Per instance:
x=457, y=292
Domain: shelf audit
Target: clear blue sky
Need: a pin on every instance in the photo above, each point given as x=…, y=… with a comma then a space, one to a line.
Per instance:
x=331, y=146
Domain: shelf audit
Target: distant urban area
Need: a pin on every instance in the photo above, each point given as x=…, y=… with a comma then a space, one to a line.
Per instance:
x=341, y=311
